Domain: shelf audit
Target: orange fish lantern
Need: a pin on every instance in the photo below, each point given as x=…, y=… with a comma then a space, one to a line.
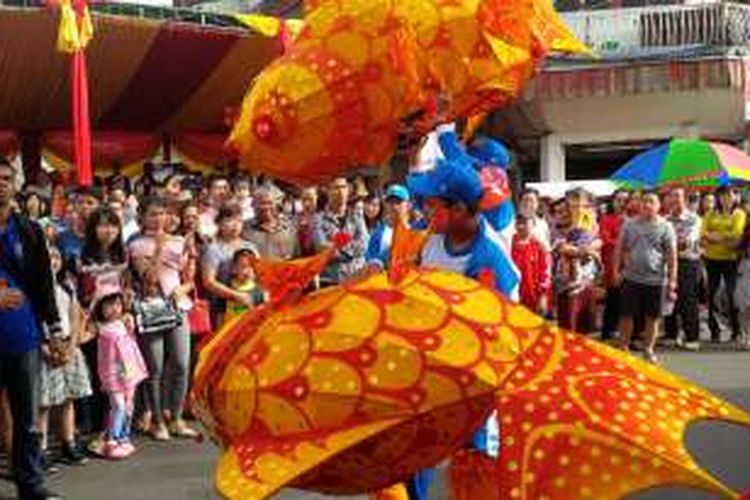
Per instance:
x=355, y=387
x=359, y=73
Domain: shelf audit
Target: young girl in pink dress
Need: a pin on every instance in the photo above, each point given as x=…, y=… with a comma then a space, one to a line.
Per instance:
x=121, y=368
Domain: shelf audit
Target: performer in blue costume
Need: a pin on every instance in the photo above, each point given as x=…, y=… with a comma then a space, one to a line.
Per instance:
x=483, y=153
x=456, y=178
x=466, y=243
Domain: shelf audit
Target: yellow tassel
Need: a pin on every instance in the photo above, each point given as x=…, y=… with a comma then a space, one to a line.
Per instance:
x=70, y=36
x=86, y=29
x=67, y=36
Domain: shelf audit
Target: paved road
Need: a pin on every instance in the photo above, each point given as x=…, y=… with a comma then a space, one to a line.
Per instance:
x=182, y=470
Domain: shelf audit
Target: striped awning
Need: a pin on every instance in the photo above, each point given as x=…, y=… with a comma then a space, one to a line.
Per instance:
x=157, y=76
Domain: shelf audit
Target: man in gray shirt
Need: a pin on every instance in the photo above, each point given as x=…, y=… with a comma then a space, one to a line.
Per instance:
x=687, y=226
x=645, y=261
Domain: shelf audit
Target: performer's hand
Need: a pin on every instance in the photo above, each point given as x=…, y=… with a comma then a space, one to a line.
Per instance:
x=11, y=298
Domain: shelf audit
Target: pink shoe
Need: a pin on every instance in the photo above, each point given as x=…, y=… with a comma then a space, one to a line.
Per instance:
x=127, y=448
x=115, y=451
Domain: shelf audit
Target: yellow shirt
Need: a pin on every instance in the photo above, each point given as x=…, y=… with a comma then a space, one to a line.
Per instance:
x=235, y=309
x=727, y=225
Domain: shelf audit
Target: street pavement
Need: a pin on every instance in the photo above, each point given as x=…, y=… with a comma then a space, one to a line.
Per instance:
x=183, y=470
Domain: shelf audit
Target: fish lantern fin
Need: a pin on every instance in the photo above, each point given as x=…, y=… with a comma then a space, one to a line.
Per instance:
x=551, y=32
x=248, y=468
x=405, y=251
x=287, y=280
x=472, y=126
x=583, y=420
x=472, y=475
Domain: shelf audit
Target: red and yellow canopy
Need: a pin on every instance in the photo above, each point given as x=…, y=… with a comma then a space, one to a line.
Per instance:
x=144, y=75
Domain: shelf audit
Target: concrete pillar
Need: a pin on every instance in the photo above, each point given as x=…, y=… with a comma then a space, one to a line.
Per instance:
x=552, y=159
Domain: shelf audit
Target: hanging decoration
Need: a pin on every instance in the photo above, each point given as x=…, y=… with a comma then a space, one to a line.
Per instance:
x=75, y=32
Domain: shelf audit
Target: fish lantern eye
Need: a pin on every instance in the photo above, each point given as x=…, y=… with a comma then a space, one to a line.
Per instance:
x=264, y=128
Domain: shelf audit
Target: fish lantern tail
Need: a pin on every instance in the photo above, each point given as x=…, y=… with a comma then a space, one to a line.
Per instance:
x=582, y=420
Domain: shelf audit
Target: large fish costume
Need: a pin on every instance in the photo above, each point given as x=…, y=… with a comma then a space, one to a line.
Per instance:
x=354, y=388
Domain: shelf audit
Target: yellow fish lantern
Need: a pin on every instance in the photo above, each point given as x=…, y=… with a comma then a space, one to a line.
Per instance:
x=355, y=387
x=350, y=389
x=359, y=73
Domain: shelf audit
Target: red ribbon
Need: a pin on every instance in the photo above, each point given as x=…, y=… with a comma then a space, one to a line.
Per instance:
x=81, y=120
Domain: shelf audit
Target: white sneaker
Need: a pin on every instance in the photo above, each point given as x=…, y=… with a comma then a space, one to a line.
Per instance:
x=692, y=346
x=650, y=356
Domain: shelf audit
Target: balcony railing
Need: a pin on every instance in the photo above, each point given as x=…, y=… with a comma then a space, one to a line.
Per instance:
x=176, y=14
x=659, y=30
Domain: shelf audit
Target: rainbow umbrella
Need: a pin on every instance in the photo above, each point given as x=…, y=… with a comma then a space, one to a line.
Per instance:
x=686, y=162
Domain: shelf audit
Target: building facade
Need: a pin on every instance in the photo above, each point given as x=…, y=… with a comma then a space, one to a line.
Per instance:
x=662, y=71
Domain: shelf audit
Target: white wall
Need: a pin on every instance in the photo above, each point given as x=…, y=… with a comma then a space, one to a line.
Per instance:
x=647, y=116
x=704, y=113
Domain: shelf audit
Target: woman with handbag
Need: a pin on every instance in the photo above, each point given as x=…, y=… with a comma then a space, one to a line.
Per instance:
x=159, y=254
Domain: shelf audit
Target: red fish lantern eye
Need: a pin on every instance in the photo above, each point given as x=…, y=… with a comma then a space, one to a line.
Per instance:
x=264, y=128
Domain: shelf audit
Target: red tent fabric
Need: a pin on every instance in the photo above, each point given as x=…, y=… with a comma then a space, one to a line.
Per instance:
x=144, y=75
x=204, y=150
x=109, y=149
x=8, y=143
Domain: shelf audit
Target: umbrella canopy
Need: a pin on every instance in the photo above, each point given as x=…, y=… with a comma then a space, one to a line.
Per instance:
x=356, y=387
x=362, y=72
x=687, y=162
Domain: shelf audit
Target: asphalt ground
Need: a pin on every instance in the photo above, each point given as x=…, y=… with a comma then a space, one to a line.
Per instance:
x=183, y=470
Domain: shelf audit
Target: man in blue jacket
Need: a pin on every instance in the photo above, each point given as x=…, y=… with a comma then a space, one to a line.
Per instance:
x=28, y=316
